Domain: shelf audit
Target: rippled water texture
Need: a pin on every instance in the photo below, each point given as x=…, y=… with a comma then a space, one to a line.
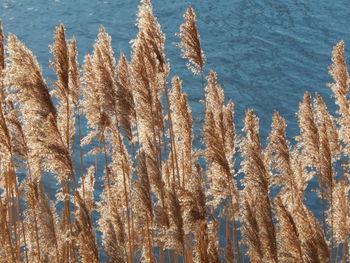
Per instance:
x=266, y=53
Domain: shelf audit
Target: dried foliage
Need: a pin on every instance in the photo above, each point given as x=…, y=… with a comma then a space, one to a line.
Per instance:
x=158, y=204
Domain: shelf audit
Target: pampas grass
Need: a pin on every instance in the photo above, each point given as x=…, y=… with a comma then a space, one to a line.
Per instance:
x=159, y=202
x=190, y=42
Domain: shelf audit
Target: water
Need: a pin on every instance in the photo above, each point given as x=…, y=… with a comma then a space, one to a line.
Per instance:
x=266, y=53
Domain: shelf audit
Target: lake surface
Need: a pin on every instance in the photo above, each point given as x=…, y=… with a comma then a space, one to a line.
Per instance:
x=266, y=53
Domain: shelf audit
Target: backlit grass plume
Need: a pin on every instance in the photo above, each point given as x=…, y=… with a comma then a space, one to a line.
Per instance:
x=257, y=183
x=125, y=97
x=281, y=162
x=339, y=72
x=183, y=129
x=290, y=249
x=190, y=42
x=29, y=90
x=65, y=68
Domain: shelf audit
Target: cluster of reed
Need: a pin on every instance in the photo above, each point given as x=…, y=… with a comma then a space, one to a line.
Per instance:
x=160, y=202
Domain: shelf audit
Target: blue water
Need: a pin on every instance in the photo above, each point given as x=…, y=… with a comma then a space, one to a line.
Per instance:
x=266, y=53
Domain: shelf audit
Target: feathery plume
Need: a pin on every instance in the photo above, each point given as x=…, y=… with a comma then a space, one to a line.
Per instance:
x=112, y=224
x=58, y=161
x=29, y=90
x=194, y=216
x=73, y=73
x=57, y=157
x=193, y=201
x=143, y=208
x=148, y=80
x=147, y=99
x=99, y=94
x=122, y=172
x=309, y=138
x=219, y=141
x=47, y=225
x=155, y=176
x=31, y=225
x=19, y=144
x=91, y=102
x=61, y=63
x=338, y=70
x=253, y=164
x=104, y=68
x=153, y=36
x=190, y=42
x=114, y=237
x=250, y=232
x=175, y=234
x=290, y=246
x=341, y=222
x=38, y=114
x=88, y=192
x=323, y=116
x=326, y=169
x=256, y=183
x=182, y=126
x=25, y=78
x=280, y=160
x=88, y=252
x=8, y=181
x=149, y=72
x=301, y=175
x=61, y=66
x=314, y=245
x=125, y=99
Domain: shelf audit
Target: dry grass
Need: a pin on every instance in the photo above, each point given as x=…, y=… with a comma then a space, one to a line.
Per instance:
x=159, y=202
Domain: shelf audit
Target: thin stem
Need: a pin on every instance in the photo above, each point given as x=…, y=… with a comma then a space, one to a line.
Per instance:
x=37, y=235
x=344, y=250
x=149, y=239
x=203, y=91
x=81, y=157
x=25, y=242
x=190, y=260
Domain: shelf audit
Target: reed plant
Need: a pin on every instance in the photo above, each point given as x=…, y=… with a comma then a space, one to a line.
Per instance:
x=161, y=198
